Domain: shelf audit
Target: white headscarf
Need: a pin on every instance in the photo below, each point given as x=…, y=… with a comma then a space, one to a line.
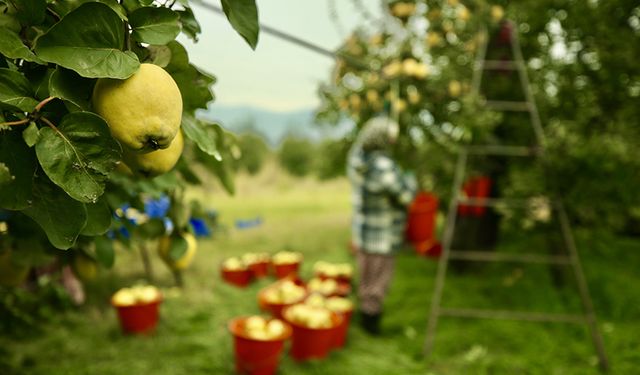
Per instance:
x=377, y=134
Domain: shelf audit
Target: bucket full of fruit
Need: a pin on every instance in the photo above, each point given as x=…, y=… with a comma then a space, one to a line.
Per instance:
x=235, y=271
x=341, y=306
x=138, y=308
x=286, y=263
x=344, y=308
x=258, y=344
x=258, y=264
x=280, y=295
x=328, y=287
x=340, y=272
x=313, y=330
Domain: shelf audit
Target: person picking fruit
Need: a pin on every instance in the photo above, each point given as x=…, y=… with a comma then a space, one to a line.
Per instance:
x=381, y=194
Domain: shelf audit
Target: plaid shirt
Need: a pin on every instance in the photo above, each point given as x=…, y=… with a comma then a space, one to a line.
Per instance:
x=380, y=198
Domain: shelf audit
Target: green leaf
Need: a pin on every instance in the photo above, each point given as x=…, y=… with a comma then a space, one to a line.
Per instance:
x=131, y=5
x=195, y=87
x=79, y=156
x=160, y=55
x=163, y=183
x=39, y=79
x=224, y=172
x=15, y=91
x=203, y=134
x=88, y=40
x=71, y=88
x=31, y=134
x=190, y=25
x=21, y=161
x=105, y=254
x=154, y=25
x=5, y=175
x=9, y=20
x=223, y=169
x=178, y=247
x=62, y=8
x=119, y=9
x=153, y=228
x=187, y=173
x=98, y=218
x=30, y=12
x=60, y=216
x=11, y=46
x=243, y=16
x=179, y=57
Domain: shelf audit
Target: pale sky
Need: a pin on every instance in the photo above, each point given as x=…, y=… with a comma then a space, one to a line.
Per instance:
x=278, y=75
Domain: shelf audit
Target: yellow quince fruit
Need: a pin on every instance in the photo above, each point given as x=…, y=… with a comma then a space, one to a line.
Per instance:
x=84, y=267
x=157, y=162
x=165, y=245
x=143, y=111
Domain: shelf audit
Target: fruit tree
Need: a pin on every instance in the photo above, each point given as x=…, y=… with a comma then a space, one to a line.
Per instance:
x=97, y=109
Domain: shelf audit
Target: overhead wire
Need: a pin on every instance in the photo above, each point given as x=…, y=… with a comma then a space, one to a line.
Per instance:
x=293, y=39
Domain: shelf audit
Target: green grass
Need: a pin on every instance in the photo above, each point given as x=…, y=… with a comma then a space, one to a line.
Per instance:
x=313, y=218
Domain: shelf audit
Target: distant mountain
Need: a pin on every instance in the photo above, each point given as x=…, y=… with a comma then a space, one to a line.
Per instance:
x=272, y=125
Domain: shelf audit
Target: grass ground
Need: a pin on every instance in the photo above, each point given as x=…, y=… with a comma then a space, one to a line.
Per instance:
x=313, y=218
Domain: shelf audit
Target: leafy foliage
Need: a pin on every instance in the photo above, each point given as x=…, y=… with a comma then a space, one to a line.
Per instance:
x=254, y=152
x=331, y=156
x=89, y=40
x=59, y=164
x=584, y=76
x=296, y=155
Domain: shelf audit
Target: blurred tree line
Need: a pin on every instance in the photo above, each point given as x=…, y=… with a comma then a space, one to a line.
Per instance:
x=296, y=154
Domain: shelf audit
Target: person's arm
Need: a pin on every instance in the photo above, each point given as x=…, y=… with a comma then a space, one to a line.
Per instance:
x=387, y=177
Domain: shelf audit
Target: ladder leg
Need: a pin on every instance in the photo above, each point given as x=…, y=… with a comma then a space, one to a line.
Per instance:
x=526, y=87
x=479, y=62
x=444, y=257
x=583, y=288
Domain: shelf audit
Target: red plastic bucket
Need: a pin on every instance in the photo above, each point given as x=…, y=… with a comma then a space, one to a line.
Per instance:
x=483, y=189
x=476, y=188
x=341, y=280
x=239, y=278
x=256, y=357
x=276, y=309
x=283, y=270
x=421, y=220
x=259, y=269
x=139, y=318
x=313, y=343
x=340, y=332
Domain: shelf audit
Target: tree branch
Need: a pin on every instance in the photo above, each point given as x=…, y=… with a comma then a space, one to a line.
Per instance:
x=51, y=125
x=15, y=123
x=43, y=103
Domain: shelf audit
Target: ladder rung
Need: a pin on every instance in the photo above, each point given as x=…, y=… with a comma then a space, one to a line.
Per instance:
x=499, y=65
x=502, y=150
x=486, y=256
x=491, y=202
x=500, y=105
x=513, y=315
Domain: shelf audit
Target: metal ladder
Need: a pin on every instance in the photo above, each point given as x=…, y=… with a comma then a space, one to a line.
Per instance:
x=570, y=258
